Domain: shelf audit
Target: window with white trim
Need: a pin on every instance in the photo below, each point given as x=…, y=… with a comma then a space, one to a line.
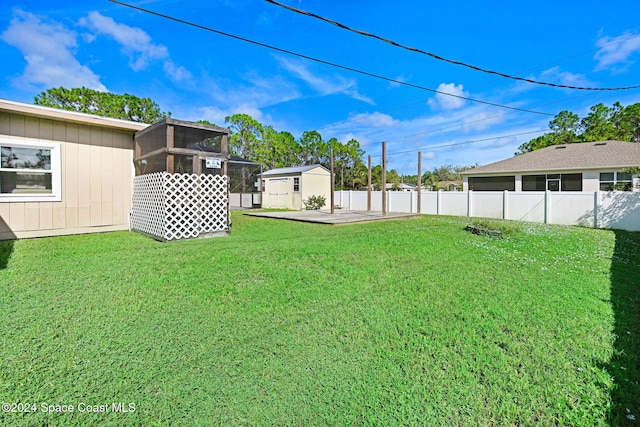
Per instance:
x=616, y=181
x=296, y=183
x=29, y=171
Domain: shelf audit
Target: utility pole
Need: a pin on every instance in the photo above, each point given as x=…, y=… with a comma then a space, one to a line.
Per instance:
x=384, y=178
x=332, y=196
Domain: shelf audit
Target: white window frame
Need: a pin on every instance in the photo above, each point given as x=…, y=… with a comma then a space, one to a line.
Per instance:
x=616, y=181
x=56, y=171
x=294, y=184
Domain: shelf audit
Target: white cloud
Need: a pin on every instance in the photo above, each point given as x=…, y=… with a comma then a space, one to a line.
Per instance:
x=565, y=77
x=446, y=102
x=501, y=142
x=176, y=73
x=213, y=114
x=136, y=44
x=375, y=120
x=617, y=50
x=362, y=139
x=401, y=79
x=325, y=86
x=251, y=98
x=481, y=120
x=48, y=48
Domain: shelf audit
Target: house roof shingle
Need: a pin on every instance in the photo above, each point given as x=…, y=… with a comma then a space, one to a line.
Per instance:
x=578, y=156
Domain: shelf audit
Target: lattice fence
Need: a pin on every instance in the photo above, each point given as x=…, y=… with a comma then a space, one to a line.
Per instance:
x=179, y=206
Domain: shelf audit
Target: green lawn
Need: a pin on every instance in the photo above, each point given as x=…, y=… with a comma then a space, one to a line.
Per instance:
x=413, y=322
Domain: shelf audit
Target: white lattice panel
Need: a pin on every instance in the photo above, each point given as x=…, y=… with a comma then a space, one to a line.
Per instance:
x=214, y=203
x=180, y=206
x=147, y=205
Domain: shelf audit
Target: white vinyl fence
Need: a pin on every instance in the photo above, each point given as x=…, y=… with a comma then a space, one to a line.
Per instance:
x=606, y=209
x=245, y=200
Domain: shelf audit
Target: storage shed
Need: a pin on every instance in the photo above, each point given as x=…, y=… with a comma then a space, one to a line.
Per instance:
x=288, y=187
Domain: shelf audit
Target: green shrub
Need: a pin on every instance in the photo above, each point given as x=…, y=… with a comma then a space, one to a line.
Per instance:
x=314, y=203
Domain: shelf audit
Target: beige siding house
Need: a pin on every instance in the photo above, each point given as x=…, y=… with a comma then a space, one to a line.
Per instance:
x=587, y=166
x=63, y=172
x=288, y=187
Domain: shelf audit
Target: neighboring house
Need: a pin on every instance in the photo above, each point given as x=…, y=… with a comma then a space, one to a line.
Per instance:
x=450, y=185
x=63, y=172
x=288, y=187
x=587, y=166
x=402, y=187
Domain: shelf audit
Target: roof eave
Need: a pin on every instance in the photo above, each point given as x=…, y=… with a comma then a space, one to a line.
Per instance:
x=68, y=116
x=522, y=171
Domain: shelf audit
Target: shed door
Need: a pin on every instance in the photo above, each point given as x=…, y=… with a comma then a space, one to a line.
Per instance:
x=278, y=192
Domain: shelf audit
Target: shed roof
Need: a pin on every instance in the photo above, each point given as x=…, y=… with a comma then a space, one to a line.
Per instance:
x=292, y=170
x=578, y=156
x=68, y=116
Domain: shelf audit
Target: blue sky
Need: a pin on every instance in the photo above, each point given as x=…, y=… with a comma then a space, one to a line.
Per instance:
x=196, y=74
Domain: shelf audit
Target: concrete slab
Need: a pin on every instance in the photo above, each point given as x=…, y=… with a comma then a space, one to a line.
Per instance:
x=340, y=217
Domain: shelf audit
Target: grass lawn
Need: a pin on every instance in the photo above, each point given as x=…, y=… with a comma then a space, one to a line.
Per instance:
x=414, y=322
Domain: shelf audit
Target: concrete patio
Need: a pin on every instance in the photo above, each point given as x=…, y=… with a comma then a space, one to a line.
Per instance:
x=339, y=217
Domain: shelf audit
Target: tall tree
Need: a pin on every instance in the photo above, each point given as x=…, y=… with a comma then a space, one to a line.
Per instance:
x=84, y=100
x=626, y=121
x=245, y=135
x=277, y=149
x=602, y=123
x=348, y=158
x=565, y=126
x=313, y=149
x=597, y=125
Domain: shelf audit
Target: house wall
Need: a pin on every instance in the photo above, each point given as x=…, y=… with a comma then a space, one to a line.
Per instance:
x=316, y=182
x=96, y=175
x=590, y=178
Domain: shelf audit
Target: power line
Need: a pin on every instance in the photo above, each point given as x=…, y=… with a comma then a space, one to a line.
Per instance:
x=440, y=58
x=321, y=61
x=433, y=147
x=473, y=121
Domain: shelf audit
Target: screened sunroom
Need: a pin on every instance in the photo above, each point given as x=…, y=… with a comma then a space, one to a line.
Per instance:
x=183, y=175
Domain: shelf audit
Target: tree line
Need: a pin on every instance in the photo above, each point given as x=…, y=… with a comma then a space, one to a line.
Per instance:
x=250, y=139
x=602, y=123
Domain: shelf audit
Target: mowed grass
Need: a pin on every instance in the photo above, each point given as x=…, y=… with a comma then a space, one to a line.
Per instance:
x=414, y=322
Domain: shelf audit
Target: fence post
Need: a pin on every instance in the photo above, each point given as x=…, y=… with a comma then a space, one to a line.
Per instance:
x=369, y=186
x=595, y=209
x=469, y=207
x=438, y=202
x=505, y=204
x=419, y=186
x=411, y=202
x=547, y=208
x=350, y=199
